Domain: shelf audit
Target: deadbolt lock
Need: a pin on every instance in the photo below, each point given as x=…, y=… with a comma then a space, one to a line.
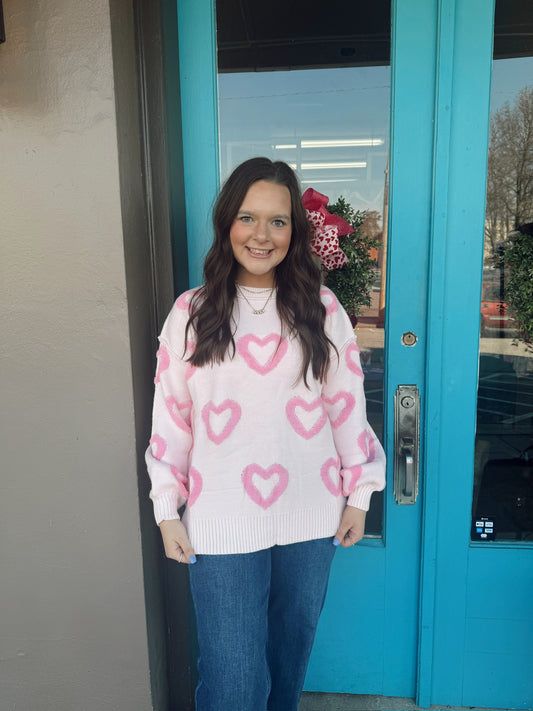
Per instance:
x=409, y=338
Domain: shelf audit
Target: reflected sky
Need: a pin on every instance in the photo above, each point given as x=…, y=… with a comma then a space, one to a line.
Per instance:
x=508, y=77
x=280, y=114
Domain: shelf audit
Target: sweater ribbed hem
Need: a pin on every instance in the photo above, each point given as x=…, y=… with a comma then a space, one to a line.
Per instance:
x=360, y=498
x=249, y=534
x=166, y=507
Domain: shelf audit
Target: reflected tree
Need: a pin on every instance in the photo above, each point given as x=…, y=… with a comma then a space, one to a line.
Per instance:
x=519, y=290
x=510, y=169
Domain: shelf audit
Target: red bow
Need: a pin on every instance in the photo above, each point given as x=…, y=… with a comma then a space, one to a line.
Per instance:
x=325, y=230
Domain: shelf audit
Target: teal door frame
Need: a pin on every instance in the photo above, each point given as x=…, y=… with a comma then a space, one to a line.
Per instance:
x=441, y=66
x=462, y=100
x=199, y=124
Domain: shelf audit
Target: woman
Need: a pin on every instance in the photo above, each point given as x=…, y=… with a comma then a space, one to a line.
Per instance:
x=259, y=426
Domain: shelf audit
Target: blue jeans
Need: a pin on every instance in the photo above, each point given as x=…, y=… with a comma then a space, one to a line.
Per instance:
x=257, y=615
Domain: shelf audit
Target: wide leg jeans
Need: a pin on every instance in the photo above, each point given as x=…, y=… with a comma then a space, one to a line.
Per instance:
x=257, y=615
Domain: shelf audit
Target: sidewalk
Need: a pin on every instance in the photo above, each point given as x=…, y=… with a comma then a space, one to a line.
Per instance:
x=354, y=702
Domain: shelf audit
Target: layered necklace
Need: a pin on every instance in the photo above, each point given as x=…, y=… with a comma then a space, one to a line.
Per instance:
x=256, y=312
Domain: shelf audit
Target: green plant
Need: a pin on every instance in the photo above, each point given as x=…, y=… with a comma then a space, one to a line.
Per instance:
x=518, y=257
x=352, y=283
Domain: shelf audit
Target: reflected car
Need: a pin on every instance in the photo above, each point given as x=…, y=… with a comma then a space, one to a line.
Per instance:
x=494, y=314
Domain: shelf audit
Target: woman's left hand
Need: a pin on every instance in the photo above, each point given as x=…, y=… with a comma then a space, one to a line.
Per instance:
x=352, y=527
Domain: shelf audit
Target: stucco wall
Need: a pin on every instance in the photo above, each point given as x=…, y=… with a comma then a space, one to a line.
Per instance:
x=72, y=619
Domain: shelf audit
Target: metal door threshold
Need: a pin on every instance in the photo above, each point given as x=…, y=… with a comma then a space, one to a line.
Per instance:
x=313, y=701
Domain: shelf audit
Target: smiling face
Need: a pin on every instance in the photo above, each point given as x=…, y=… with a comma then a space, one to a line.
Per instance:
x=261, y=233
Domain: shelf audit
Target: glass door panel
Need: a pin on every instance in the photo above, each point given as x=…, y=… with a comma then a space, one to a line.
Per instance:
x=329, y=121
x=502, y=506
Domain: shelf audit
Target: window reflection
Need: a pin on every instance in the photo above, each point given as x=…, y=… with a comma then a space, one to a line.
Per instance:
x=503, y=476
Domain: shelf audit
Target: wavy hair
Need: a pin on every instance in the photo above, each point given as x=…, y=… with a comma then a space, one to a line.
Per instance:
x=297, y=277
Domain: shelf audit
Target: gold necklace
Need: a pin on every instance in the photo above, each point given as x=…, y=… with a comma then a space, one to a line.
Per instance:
x=256, y=312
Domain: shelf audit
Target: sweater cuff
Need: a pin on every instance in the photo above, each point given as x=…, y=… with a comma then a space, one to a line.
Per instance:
x=360, y=498
x=166, y=507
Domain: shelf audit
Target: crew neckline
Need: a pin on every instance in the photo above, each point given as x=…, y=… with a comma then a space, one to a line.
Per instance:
x=254, y=292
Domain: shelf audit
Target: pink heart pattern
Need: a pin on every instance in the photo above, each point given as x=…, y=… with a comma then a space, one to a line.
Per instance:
x=307, y=432
x=159, y=446
x=334, y=486
x=269, y=351
x=196, y=484
x=228, y=407
x=352, y=358
x=183, y=482
x=184, y=300
x=163, y=362
x=350, y=478
x=266, y=475
x=343, y=414
x=368, y=446
x=180, y=413
x=329, y=300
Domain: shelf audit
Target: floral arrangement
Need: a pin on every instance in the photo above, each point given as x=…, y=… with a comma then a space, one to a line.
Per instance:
x=338, y=241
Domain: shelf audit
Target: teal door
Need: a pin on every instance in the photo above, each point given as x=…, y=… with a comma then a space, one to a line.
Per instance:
x=424, y=607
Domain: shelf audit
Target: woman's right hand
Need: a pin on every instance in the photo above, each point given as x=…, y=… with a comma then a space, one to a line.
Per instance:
x=176, y=541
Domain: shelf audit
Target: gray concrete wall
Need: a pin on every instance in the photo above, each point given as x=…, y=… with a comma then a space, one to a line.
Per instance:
x=72, y=618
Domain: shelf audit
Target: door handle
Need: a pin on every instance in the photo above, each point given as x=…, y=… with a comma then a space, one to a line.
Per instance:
x=409, y=474
x=406, y=443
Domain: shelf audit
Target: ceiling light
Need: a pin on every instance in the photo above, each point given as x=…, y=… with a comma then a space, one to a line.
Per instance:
x=343, y=143
x=332, y=166
x=317, y=181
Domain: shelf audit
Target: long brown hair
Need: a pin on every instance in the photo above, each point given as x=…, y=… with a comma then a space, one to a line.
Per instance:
x=297, y=277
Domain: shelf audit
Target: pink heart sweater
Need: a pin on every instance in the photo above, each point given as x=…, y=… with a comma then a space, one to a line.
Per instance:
x=258, y=458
